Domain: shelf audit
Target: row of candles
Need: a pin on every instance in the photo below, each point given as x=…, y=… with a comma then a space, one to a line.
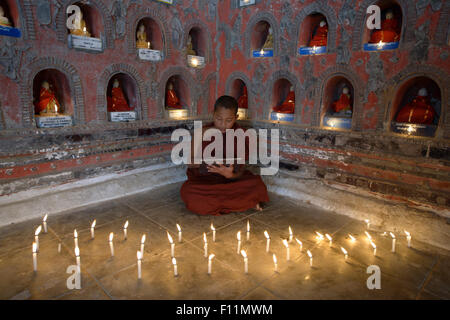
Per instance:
x=140, y=253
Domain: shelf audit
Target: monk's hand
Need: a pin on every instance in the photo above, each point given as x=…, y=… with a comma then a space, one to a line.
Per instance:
x=223, y=170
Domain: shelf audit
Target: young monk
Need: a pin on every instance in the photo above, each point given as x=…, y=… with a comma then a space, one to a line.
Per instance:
x=220, y=189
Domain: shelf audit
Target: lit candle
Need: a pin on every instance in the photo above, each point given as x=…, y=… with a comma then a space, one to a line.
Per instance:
x=175, y=269
x=275, y=263
x=214, y=232
x=77, y=255
x=172, y=245
x=211, y=257
x=142, y=244
x=268, y=241
x=59, y=247
x=291, y=234
x=44, y=222
x=345, y=252
x=180, y=237
x=374, y=248
x=194, y=62
x=261, y=52
x=75, y=237
x=148, y=45
x=329, y=238
x=125, y=227
x=248, y=230
x=408, y=237
x=139, y=264
x=380, y=45
x=34, y=256
x=319, y=236
x=314, y=49
x=286, y=244
x=93, y=229
x=393, y=241
x=239, y=242
x=205, y=244
x=367, y=223
x=36, y=237
x=352, y=238
x=111, y=245
x=369, y=237
x=310, y=257
x=300, y=244
x=244, y=254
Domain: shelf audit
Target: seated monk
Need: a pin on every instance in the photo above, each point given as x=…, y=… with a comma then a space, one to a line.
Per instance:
x=288, y=106
x=4, y=21
x=222, y=189
x=344, y=103
x=390, y=30
x=243, y=100
x=141, y=42
x=47, y=104
x=268, y=44
x=117, y=101
x=172, y=100
x=81, y=30
x=190, y=47
x=419, y=111
x=320, y=36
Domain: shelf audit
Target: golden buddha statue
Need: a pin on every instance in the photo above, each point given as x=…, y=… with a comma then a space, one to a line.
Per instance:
x=269, y=41
x=48, y=104
x=141, y=42
x=81, y=30
x=4, y=21
x=189, y=47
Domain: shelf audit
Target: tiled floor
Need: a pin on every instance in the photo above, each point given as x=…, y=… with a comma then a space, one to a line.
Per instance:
x=420, y=272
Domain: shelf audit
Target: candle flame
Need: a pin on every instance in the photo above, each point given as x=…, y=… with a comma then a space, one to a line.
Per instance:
x=266, y=234
x=309, y=253
x=194, y=62
x=143, y=239
x=238, y=235
x=407, y=233
x=380, y=44
x=125, y=225
x=344, y=251
x=319, y=235
x=38, y=230
x=139, y=255
x=261, y=52
x=274, y=258
x=290, y=231
x=174, y=261
x=77, y=251
x=212, y=227
x=352, y=238
x=169, y=237
x=178, y=227
x=34, y=247
x=211, y=256
x=392, y=235
x=93, y=224
x=244, y=254
x=248, y=226
x=204, y=238
x=45, y=218
x=367, y=221
x=328, y=236
x=285, y=242
x=299, y=242
x=373, y=244
x=75, y=233
x=368, y=236
x=111, y=236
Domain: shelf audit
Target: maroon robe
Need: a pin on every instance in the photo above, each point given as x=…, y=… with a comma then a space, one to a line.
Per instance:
x=213, y=194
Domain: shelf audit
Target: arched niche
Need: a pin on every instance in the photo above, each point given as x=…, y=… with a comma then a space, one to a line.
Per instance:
x=334, y=99
x=404, y=104
x=283, y=100
x=198, y=41
x=256, y=31
x=182, y=94
x=373, y=37
x=312, y=35
x=11, y=12
x=153, y=31
x=130, y=91
x=260, y=34
x=239, y=91
x=92, y=17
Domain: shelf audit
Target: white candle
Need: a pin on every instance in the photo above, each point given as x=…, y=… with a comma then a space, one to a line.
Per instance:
x=172, y=245
x=408, y=237
x=139, y=264
x=248, y=230
x=300, y=244
x=239, y=242
x=142, y=245
x=286, y=244
x=291, y=234
x=211, y=256
x=266, y=234
x=275, y=263
x=205, y=244
x=180, y=237
x=34, y=256
x=374, y=248
x=148, y=45
x=125, y=227
x=77, y=255
x=367, y=223
x=214, y=232
x=310, y=258
x=352, y=238
x=175, y=269
x=329, y=238
x=319, y=236
x=345, y=253
x=93, y=229
x=75, y=237
x=111, y=245
x=59, y=247
x=244, y=254
x=44, y=222
x=36, y=237
x=393, y=241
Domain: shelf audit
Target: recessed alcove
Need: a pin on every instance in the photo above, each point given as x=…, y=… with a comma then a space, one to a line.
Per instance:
x=410, y=113
x=240, y=92
x=262, y=40
x=92, y=18
x=313, y=38
x=177, y=98
x=153, y=32
x=337, y=103
x=10, y=12
x=123, y=101
x=283, y=101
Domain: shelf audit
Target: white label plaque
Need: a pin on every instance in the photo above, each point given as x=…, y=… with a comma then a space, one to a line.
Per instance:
x=243, y=3
x=54, y=122
x=150, y=55
x=122, y=116
x=178, y=113
x=87, y=43
x=196, y=61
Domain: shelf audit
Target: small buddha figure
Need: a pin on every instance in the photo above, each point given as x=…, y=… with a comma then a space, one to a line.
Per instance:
x=4, y=21
x=243, y=100
x=82, y=28
x=390, y=30
x=288, y=106
x=141, y=35
x=344, y=103
x=117, y=101
x=190, y=47
x=172, y=100
x=419, y=111
x=320, y=37
x=47, y=105
x=269, y=40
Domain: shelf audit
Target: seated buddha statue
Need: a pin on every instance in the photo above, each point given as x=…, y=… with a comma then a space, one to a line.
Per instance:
x=268, y=44
x=319, y=39
x=4, y=21
x=172, y=100
x=344, y=103
x=189, y=47
x=243, y=100
x=390, y=30
x=117, y=101
x=418, y=111
x=47, y=105
x=81, y=30
x=141, y=41
x=288, y=105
